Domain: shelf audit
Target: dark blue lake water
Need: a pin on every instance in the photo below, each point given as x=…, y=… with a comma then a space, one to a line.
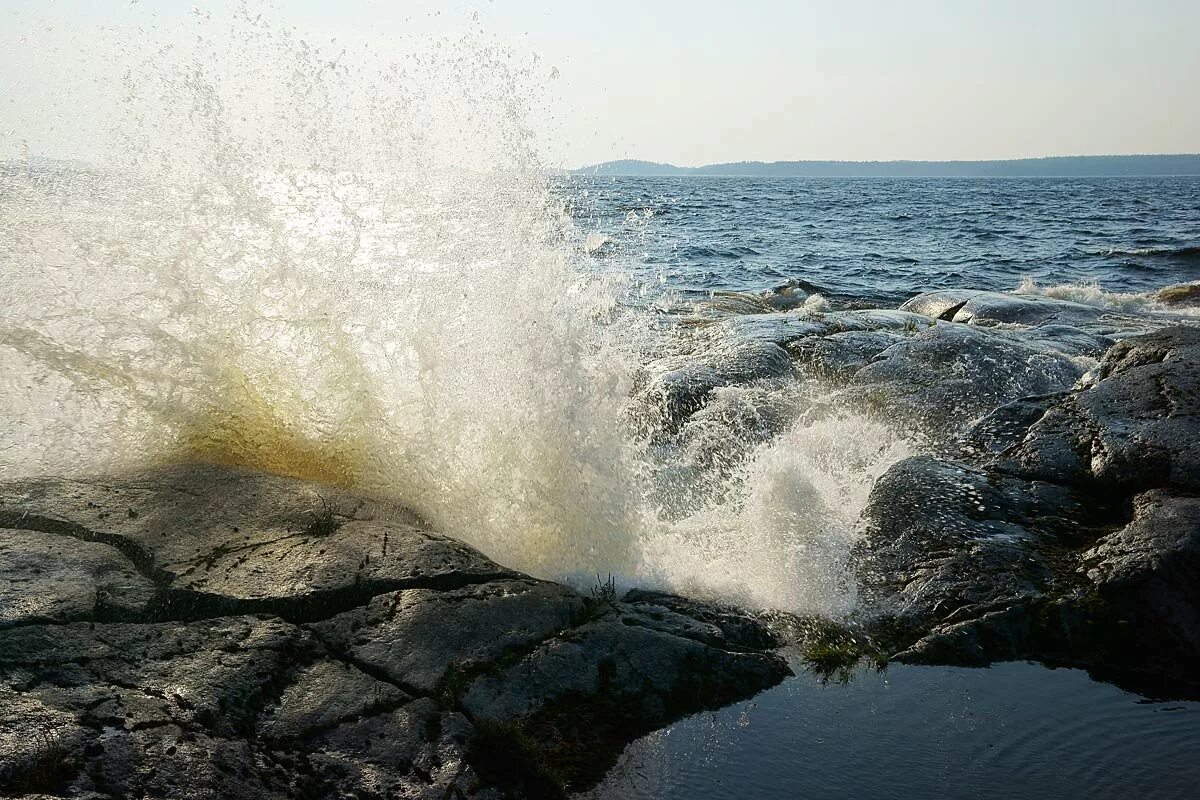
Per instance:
x=886, y=239
x=1014, y=730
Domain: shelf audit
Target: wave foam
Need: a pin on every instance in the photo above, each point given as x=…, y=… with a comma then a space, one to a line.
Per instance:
x=1091, y=294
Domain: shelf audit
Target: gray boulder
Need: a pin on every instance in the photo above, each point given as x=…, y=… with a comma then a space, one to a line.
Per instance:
x=1136, y=427
x=1075, y=540
x=948, y=375
x=943, y=540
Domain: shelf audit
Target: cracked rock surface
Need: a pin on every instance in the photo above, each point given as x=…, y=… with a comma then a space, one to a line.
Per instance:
x=202, y=631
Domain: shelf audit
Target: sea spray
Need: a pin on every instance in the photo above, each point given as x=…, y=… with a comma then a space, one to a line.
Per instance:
x=349, y=274
x=781, y=538
x=333, y=265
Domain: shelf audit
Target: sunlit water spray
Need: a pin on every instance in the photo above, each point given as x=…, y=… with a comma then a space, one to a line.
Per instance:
x=355, y=271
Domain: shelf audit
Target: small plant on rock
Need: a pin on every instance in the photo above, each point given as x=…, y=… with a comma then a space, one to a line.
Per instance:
x=323, y=522
x=605, y=591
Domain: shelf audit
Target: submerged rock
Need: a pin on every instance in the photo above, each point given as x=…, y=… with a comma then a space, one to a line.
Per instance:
x=201, y=631
x=1180, y=294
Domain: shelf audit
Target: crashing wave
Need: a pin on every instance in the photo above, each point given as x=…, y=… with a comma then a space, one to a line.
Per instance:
x=361, y=275
x=1174, y=299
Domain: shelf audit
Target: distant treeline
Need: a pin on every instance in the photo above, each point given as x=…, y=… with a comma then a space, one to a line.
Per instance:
x=1057, y=166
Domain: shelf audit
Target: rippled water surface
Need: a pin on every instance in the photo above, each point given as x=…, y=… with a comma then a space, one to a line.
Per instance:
x=889, y=238
x=1012, y=731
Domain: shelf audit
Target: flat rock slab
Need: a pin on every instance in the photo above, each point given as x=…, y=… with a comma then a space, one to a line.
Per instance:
x=199, y=631
x=60, y=579
x=417, y=637
x=255, y=542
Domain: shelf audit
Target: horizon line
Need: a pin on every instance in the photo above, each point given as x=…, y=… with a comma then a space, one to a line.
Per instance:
x=1143, y=164
x=884, y=160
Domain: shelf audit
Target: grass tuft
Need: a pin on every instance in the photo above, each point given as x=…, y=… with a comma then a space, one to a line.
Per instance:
x=324, y=522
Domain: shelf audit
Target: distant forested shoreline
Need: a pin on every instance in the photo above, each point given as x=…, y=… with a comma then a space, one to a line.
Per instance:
x=1057, y=166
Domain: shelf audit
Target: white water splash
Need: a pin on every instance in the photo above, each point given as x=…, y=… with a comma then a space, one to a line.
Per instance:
x=355, y=271
x=783, y=540
x=1091, y=294
x=329, y=269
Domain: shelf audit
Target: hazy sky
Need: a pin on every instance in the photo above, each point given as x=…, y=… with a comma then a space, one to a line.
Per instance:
x=694, y=81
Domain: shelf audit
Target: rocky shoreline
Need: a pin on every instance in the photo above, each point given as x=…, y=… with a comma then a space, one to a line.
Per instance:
x=201, y=631
x=197, y=630
x=1068, y=530
x=1054, y=513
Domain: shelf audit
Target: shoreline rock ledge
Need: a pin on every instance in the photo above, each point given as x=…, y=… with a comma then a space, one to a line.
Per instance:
x=1068, y=531
x=204, y=631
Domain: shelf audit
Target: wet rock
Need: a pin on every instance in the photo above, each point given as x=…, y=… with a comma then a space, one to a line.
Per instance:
x=275, y=638
x=418, y=750
x=1008, y=310
x=720, y=626
x=1127, y=607
x=838, y=356
x=141, y=675
x=948, y=375
x=784, y=328
x=1006, y=426
x=940, y=305
x=1146, y=594
x=994, y=308
x=726, y=430
x=577, y=690
x=417, y=637
x=1075, y=539
x=323, y=694
x=1068, y=340
x=1137, y=427
x=58, y=579
x=942, y=538
x=681, y=385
